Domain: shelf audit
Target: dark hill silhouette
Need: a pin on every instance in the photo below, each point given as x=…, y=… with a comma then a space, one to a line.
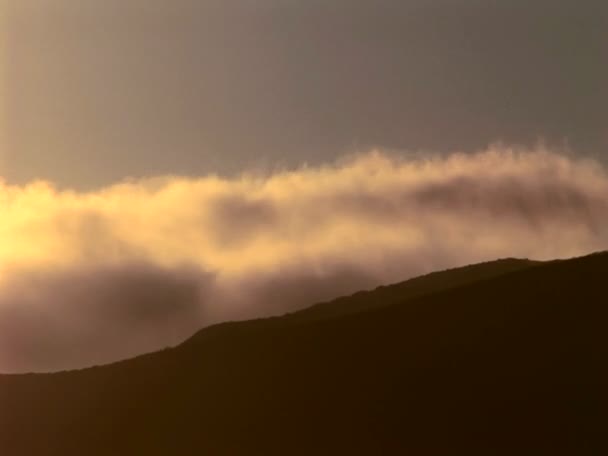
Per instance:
x=513, y=364
x=430, y=283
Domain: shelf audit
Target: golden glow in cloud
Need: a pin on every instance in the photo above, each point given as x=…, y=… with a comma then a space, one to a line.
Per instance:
x=214, y=248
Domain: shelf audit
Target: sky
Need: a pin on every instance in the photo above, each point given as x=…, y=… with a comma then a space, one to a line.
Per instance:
x=170, y=165
x=95, y=91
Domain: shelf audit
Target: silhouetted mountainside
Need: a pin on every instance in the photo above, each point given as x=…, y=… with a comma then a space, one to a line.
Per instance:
x=430, y=283
x=514, y=364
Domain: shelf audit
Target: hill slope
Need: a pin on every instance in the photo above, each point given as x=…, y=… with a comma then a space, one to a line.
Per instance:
x=418, y=286
x=512, y=364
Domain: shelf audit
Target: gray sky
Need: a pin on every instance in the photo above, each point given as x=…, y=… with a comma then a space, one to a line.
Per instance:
x=93, y=91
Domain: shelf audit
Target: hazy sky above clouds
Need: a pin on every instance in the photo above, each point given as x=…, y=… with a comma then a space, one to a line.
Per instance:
x=93, y=91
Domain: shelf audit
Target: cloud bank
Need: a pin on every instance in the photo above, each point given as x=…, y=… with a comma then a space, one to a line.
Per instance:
x=89, y=278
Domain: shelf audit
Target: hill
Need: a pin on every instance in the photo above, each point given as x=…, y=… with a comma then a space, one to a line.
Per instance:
x=430, y=283
x=512, y=363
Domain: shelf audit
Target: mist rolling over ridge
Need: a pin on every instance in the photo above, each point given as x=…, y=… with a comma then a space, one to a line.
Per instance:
x=143, y=264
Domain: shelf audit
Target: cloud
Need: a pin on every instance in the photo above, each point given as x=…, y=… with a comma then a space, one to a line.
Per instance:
x=92, y=277
x=54, y=319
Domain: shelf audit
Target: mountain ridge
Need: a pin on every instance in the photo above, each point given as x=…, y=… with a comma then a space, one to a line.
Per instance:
x=511, y=364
